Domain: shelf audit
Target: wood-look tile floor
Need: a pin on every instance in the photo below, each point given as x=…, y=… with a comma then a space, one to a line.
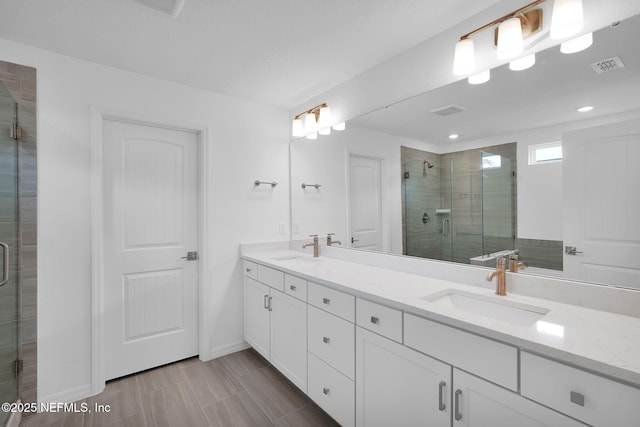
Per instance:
x=240, y=389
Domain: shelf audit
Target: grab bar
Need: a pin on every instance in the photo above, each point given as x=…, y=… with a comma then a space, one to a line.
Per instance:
x=446, y=225
x=5, y=264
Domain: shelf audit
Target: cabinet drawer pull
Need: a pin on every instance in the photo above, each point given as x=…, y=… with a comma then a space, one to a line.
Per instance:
x=325, y=340
x=441, y=387
x=266, y=302
x=292, y=287
x=577, y=398
x=325, y=390
x=375, y=320
x=270, y=306
x=326, y=301
x=458, y=415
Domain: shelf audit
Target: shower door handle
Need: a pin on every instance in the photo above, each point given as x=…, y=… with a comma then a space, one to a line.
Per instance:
x=445, y=227
x=5, y=264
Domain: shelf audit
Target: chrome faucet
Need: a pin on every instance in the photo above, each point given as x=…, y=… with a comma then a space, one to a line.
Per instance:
x=514, y=264
x=330, y=240
x=501, y=285
x=314, y=244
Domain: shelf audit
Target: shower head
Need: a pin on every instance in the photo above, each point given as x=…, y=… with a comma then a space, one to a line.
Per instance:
x=428, y=164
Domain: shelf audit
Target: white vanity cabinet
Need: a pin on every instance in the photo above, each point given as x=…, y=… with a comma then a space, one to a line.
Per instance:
x=275, y=325
x=478, y=403
x=397, y=386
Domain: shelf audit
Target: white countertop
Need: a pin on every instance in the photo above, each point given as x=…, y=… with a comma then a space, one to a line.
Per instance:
x=599, y=341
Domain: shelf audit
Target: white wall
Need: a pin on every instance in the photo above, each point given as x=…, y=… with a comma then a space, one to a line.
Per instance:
x=325, y=161
x=241, y=151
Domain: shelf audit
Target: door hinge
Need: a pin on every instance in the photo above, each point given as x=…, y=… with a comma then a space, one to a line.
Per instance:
x=15, y=131
x=18, y=366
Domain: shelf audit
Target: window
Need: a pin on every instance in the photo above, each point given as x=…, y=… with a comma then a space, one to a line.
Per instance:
x=493, y=161
x=545, y=153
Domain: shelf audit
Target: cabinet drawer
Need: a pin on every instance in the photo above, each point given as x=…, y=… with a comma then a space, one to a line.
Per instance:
x=332, y=391
x=271, y=277
x=250, y=269
x=296, y=287
x=332, y=339
x=335, y=302
x=491, y=360
x=380, y=319
x=580, y=394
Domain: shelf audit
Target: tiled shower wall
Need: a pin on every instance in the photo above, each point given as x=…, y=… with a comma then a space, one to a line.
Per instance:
x=20, y=81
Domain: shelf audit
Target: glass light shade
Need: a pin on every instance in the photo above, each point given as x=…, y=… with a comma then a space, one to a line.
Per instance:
x=324, y=118
x=325, y=131
x=510, y=41
x=310, y=125
x=297, y=129
x=523, y=63
x=567, y=19
x=464, y=58
x=478, y=79
x=340, y=126
x=313, y=135
x=577, y=44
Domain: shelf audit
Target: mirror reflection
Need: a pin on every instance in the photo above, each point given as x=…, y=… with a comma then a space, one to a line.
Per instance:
x=514, y=180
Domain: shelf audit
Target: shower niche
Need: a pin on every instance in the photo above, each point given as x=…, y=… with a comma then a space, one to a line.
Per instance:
x=468, y=199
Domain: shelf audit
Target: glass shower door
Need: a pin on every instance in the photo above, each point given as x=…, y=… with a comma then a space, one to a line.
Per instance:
x=9, y=235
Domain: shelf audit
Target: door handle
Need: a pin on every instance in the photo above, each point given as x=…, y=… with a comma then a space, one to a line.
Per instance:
x=5, y=264
x=572, y=250
x=193, y=256
x=354, y=240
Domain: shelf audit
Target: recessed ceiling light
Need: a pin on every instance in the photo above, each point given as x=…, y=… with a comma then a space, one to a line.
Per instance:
x=585, y=109
x=453, y=136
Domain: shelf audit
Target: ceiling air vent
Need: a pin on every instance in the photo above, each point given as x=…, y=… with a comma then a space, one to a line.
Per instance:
x=449, y=109
x=166, y=7
x=608, y=64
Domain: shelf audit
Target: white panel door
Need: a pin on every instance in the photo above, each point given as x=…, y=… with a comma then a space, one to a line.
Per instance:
x=365, y=203
x=601, y=181
x=150, y=223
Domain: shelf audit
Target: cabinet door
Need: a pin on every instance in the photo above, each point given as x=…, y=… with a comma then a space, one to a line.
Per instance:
x=478, y=403
x=289, y=337
x=398, y=386
x=256, y=316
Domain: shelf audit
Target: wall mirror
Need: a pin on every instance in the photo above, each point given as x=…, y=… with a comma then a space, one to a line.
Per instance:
x=394, y=181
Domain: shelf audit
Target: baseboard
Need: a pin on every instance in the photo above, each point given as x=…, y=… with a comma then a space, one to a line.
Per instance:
x=223, y=350
x=67, y=396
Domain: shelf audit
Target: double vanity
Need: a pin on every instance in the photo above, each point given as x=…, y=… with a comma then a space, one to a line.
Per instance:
x=378, y=344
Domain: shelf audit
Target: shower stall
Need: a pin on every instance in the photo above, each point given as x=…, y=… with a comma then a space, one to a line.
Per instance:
x=459, y=206
x=18, y=265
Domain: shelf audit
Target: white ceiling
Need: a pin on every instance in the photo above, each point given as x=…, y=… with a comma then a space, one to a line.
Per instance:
x=547, y=94
x=279, y=52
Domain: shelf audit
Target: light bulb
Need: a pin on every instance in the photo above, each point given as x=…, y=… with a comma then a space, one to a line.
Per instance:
x=325, y=131
x=510, y=41
x=310, y=125
x=313, y=135
x=567, y=19
x=577, y=44
x=464, y=58
x=324, y=118
x=297, y=129
x=480, y=78
x=523, y=63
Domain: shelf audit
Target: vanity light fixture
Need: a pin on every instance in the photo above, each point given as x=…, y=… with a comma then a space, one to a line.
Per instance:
x=578, y=44
x=523, y=63
x=513, y=28
x=314, y=121
x=478, y=79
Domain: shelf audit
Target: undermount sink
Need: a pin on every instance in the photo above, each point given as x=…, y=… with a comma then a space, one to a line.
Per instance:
x=295, y=260
x=496, y=308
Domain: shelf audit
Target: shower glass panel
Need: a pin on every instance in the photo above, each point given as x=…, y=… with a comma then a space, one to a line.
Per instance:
x=9, y=235
x=458, y=206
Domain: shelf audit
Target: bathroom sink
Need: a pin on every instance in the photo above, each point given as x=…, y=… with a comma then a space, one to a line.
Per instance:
x=496, y=308
x=295, y=260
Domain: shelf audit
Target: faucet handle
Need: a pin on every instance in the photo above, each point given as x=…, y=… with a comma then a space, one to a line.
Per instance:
x=313, y=235
x=331, y=234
